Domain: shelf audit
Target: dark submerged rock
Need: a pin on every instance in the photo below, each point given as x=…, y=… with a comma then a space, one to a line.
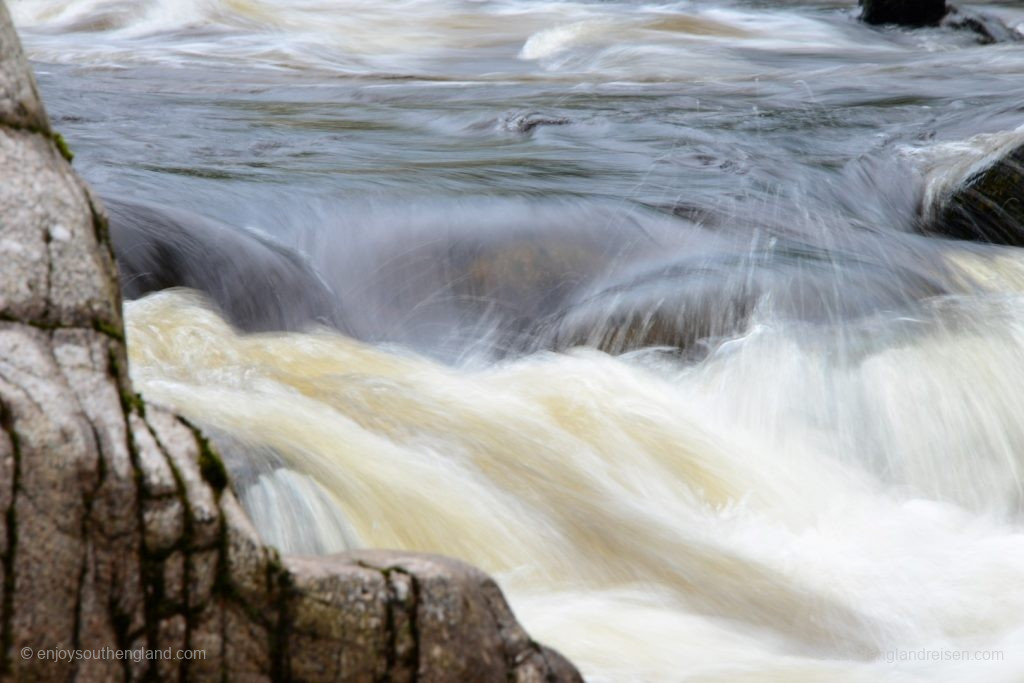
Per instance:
x=257, y=284
x=692, y=304
x=476, y=275
x=988, y=206
x=903, y=12
x=525, y=123
x=988, y=29
x=921, y=13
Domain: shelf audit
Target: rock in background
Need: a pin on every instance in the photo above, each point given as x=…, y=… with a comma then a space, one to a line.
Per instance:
x=119, y=529
x=921, y=13
x=903, y=12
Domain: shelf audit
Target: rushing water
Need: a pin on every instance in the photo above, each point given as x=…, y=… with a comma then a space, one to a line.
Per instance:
x=831, y=472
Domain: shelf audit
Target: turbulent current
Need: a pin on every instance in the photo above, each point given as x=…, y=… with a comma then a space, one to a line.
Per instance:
x=623, y=302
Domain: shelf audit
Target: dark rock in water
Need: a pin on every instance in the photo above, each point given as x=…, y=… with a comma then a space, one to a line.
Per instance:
x=988, y=29
x=919, y=13
x=258, y=285
x=522, y=277
x=476, y=275
x=525, y=123
x=903, y=12
x=678, y=306
x=989, y=206
x=692, y=304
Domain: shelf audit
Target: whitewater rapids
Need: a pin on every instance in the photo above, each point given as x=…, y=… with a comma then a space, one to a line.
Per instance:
x=796, y=507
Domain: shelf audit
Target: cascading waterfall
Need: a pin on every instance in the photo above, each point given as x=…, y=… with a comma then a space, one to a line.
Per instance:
x=803, y=501
x=632, y=311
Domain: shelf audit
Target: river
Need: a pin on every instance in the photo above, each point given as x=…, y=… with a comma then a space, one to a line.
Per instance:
x=635, y=314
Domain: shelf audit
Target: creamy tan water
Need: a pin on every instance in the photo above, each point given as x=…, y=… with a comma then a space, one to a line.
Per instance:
x=779, y=512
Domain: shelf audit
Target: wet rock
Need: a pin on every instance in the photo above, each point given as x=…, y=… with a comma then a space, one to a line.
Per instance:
x=988, y=206
x=447, y=277
x=525, y=276
x=988, y=29
x=437, y=600
x=920, y=13
x=527, y=122
x=903, y=12
x=691, y=304
x=677, y=306
x=257, y=284
x=117, y=526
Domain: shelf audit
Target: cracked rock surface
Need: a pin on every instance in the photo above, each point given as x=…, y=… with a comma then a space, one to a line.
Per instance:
x=119, y=529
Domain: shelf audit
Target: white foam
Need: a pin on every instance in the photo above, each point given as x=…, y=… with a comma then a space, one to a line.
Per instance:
x=799, y=508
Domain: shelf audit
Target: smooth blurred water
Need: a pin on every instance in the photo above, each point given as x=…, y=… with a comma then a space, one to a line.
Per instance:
x=231, y=107
x=829, y=471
